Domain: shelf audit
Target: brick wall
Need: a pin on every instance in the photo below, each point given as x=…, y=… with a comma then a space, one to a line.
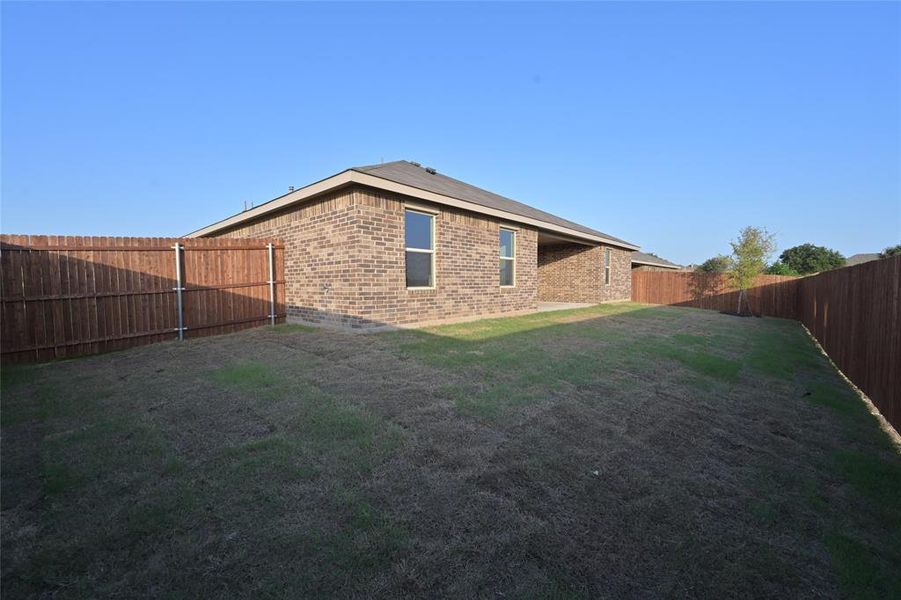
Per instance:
x=344, y=262
x=467, y=279
x=319, y=264
x=575, y=273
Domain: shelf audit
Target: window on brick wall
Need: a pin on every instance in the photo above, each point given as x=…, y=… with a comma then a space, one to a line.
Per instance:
x=508, y=257
x=606, y=266
x=419, y=233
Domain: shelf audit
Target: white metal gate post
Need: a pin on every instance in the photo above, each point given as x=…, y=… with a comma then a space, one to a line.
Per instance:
x=271, y=249
x=178, y=291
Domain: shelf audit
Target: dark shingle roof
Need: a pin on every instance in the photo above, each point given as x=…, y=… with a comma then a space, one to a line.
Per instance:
x=407, y=173
x=652, y=259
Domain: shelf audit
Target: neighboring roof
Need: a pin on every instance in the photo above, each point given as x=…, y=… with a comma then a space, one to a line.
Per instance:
x=642, y=258
x=413, y=180
x=861, y=258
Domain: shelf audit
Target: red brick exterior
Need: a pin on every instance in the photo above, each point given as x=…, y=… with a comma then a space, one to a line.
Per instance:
x=575, y=273
x=320, y=266
x=467, y=278
x=345, y=263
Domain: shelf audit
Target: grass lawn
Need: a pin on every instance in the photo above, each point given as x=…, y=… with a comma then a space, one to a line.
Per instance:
x=620, y=450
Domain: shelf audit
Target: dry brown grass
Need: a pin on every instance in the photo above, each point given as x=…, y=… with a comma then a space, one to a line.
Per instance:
x=612, y=451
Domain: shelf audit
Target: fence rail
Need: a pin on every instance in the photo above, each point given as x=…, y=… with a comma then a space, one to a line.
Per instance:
x=712, y=291
x=65, y=296
x=854, y=313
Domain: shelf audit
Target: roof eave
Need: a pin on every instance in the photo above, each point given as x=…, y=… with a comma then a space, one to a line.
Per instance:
x=305, y=193
x=653, y=264
x=352, y=176
x=419, y=193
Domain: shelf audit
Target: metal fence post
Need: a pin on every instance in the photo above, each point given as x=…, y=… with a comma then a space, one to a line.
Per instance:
x=178, y=291
x=271, y=283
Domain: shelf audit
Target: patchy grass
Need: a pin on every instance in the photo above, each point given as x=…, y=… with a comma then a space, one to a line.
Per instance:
x=618, y=450
x=778, y=351
x=292, y=328
x=45, y=399
x=516, y=376
x=876, y=478
x=837, y=397
x=245, y=376
x=860, y=570
x=695, y=353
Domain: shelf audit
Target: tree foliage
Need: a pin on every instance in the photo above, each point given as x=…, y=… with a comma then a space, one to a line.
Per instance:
x=750, y=252
x=807, y=258
x=717, y=264
x=891, y=251
x=780, y=268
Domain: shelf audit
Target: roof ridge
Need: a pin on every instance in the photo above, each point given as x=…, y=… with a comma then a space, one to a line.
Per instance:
x=424, y=179
x=365, y=168
x=651, y=258
x=522, y=205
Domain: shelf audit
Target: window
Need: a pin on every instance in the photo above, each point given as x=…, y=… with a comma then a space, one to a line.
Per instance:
x=606, y=266
x=508, y=257
x=419, y=233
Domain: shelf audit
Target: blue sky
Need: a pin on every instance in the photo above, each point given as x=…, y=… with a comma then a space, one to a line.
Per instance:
x=670, y=125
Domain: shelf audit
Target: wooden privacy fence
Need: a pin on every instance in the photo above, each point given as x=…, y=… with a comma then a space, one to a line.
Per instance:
x=65, y=296
x=712, y=291
x=854, y=313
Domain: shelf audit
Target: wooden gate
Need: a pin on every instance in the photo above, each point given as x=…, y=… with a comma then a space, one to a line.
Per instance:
x=65, y=296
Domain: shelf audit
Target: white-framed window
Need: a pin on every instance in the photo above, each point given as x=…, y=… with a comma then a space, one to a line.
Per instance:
x=419, y=236
x=606, y=266
x=508, y=257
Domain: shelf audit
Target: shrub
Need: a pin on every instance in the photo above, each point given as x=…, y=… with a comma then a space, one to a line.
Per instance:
x=780, y=268
x=717, y=264
x=891, y=251
x=807, y=258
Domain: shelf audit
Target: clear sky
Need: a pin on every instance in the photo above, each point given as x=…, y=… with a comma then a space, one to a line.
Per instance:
x=669, y=125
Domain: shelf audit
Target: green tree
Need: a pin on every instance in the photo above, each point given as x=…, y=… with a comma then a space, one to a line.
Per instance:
x=807, y=258
x=717, y=264
x=780, y=268
x=750, y=252
x=890, y=251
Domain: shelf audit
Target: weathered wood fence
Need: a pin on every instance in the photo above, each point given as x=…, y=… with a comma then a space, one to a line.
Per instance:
x=712, y=291
x=854, y=313
x=65, y=296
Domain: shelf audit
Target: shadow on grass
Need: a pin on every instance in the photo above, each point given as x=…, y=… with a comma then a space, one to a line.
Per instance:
x=297, y=491
x=528, y=366
x=531, y=357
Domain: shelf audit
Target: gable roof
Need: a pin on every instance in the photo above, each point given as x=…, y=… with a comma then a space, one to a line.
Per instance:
x=408, y=173
x=410, y=179
x=857, y=259
x=642, y=258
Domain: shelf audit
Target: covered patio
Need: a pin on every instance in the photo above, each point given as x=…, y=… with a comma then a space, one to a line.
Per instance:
x=570, y=272
x=552, y=306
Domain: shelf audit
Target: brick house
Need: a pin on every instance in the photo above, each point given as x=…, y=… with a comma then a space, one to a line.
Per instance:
x=397, y=243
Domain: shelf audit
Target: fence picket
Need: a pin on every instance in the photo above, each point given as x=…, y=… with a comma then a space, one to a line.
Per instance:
x=64, y=296
x=854, y=313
